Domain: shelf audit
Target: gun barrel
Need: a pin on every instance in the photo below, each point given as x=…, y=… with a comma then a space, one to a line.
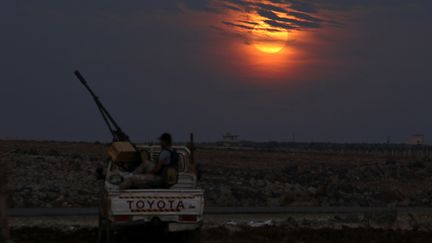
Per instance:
x=80, y=77
x=118, y=133
x=84, y=82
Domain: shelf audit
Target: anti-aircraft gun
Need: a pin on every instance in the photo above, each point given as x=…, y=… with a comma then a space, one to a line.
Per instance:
x=122, y=149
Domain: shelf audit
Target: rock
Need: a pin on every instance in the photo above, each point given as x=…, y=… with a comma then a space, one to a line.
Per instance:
x=312, y=190
x=384, y=217
x=404, y=203
x=256, y=224
x=273, y=202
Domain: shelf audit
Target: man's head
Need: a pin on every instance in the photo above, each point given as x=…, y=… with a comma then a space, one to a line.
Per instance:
x=165, y=140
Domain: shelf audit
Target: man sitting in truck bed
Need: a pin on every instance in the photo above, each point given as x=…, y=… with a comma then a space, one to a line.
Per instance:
x=149, y=173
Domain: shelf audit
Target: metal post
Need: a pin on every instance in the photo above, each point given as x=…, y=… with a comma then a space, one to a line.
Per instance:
x=4, y=227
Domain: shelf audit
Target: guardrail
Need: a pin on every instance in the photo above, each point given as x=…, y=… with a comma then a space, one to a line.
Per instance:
x=58, y=212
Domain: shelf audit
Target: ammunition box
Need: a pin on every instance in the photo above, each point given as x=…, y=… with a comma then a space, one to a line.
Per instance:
x=122, y=152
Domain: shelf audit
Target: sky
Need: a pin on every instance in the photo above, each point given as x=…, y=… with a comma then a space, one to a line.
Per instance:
x=316, y=70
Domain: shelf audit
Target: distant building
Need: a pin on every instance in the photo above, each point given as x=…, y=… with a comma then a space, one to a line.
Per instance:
x=416, y=139
x=230, y=139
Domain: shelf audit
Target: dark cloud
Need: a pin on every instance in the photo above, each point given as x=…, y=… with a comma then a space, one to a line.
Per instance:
x=270, y=7
x=303, y=6
x=278, y=14
x=287, y=10
x=302, y=12
x=238, y=2
x=247, y=27
x=279, y=24
x=274, y=20
x=231, y=7
x=304, y=16
x=248, y=22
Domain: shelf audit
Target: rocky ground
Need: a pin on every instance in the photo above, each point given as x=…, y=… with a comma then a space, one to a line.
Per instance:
x=286, y=179
x=244, y=235
x=241, y=228
x=56, y=174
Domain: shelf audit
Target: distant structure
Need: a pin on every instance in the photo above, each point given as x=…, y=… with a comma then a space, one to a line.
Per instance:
x=416, y=139
x=230, y=139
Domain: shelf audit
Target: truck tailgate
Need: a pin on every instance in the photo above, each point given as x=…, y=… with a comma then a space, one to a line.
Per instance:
x=157, y=202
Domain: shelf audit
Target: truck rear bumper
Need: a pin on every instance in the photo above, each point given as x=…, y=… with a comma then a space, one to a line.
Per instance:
x=169, y=226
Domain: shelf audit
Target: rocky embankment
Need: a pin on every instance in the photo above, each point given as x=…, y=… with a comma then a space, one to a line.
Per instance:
x=43, y=174
x=318, y=185
x=299, y=229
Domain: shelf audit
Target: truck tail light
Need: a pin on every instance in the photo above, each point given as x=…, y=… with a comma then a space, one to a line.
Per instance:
x=188, y=218
x=121, y=218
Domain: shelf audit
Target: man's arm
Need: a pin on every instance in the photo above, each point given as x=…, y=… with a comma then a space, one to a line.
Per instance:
x=164, y=156
x=157, y=167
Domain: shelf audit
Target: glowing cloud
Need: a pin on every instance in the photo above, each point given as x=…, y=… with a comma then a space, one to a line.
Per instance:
x=268, y=41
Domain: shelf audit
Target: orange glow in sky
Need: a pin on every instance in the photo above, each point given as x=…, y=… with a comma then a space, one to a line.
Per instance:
x=275, y=60
x=266, y=52
x=265, y=41
x=268, y=41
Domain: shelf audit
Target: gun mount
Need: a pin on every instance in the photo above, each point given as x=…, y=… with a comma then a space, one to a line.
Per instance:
x=118, y=134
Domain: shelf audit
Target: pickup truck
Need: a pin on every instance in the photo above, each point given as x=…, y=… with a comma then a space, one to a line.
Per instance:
x=173, y=206
x=177, y=208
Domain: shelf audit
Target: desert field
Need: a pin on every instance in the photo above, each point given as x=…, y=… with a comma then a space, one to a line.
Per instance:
x=62, y=174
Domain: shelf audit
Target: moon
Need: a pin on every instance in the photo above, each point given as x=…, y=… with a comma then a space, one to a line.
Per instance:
x=268, y=39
